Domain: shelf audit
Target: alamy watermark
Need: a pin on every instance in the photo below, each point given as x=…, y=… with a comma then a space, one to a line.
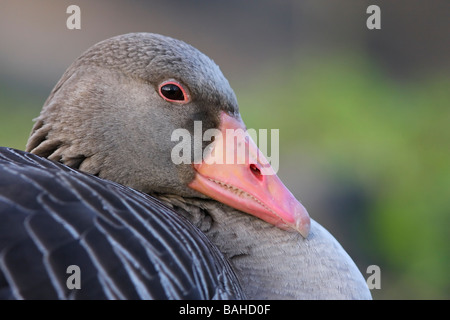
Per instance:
x=236, y=146
x=74, y=280
x=374, y=280
x=374, y=20
x=73, y=22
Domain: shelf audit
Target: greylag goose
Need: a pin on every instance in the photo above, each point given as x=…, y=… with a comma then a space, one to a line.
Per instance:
x=98, y=189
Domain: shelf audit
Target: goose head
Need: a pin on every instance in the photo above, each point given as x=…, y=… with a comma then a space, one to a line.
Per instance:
x=131, y=106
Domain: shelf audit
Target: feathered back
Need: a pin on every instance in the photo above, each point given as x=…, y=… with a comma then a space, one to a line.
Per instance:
x=127, y=244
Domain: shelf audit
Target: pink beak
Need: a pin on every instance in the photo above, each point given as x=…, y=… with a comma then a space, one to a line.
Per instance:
x=248, y=183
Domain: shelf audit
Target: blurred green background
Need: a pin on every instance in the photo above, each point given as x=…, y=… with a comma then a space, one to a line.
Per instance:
x=364, y=115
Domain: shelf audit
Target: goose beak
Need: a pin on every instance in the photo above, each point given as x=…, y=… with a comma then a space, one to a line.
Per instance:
x=235, y=172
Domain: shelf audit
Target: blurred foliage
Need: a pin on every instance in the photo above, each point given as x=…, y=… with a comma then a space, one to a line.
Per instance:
x=17, y=111
x=393, y=137
x=357, y=122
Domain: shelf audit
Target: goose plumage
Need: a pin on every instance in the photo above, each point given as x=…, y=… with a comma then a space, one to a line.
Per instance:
x=97, y=188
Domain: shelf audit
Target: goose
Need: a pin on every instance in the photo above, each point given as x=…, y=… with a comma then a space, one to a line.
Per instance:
x=98, y=188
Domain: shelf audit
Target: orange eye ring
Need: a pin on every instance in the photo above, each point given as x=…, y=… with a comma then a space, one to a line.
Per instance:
x=173, y=91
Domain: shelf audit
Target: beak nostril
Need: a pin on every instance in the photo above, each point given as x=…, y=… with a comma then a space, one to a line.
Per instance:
x=256, y=172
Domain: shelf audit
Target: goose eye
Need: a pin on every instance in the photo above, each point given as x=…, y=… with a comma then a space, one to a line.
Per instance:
x=173, y=91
